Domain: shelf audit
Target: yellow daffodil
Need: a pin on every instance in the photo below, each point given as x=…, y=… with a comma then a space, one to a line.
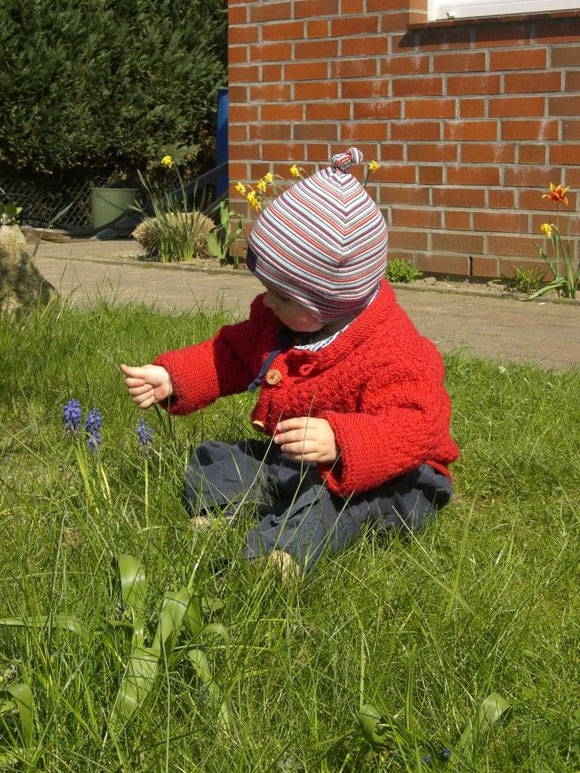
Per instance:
x=294, y=171
x=546, y=229
x=261, y=186
x=253, y=200
x=268, y=177
x=241, y=188
x=557, y=193
x=167, y=162
x=373, y=166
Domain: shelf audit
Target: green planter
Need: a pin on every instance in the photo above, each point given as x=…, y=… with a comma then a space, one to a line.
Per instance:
x=109, y=203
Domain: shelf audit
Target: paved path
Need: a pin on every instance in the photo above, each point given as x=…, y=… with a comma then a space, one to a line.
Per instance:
x=499, y=328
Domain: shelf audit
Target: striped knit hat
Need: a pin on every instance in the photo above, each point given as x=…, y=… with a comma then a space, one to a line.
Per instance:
x=323, y=242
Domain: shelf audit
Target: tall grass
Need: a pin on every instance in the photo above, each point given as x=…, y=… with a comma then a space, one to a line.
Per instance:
x=424, y=628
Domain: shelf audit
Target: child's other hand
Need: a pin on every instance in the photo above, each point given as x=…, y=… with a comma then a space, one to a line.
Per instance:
x=148, y=384
x=307, y=439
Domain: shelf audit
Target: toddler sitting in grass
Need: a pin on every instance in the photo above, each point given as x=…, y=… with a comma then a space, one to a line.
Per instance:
x=351, y=396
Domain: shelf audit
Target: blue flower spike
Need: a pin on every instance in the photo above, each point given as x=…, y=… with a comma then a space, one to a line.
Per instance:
x=93, y=429
x=71, y=414
x=144, y=435
x=445, y=753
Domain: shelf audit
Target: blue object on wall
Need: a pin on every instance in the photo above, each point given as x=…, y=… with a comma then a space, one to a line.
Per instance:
x=222, y=183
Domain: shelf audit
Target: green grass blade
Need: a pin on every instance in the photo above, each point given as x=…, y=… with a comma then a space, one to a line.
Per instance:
x=200, y=664
x=63, y=622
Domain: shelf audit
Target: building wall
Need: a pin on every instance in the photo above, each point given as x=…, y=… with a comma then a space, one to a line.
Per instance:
x=469, y=120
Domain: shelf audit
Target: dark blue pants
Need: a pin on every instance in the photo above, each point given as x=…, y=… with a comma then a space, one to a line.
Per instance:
x=298, y=514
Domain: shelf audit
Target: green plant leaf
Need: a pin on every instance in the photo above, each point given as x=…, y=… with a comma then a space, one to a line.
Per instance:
x=173, y=611
x=373, y=725
x=136, y=685
x=23, y=699
x=489, y=711
x=200, y=664
x=133, y=583
x=45, y=621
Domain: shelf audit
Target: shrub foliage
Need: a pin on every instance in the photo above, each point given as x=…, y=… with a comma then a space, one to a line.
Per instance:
x=102, y=85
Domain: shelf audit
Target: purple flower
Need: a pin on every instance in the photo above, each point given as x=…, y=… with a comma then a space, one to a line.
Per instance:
x=92, y=427
x=445, y=753
x=144, y=435
x=71, y=414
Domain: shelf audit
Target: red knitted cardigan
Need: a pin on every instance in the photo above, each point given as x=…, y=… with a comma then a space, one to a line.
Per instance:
x=379, y=384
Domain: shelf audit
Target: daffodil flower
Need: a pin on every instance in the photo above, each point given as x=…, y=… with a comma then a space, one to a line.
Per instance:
x=167, y=162
x=261, y=186
x=268, y=177
x=546, y=229
x=253, y=200
x=241, y=188
x=295, y=171
x=374, y=165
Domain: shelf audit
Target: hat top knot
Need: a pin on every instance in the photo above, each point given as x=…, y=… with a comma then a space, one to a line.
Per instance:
x=343, y=161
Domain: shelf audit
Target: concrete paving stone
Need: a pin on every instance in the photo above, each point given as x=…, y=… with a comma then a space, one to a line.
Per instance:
x=503, y=329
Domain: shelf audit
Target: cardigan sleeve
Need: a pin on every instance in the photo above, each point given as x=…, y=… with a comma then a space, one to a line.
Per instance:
x=398, y=427
x=214, y=368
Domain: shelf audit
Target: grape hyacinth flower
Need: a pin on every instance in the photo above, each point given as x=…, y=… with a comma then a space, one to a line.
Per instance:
x=92, y=427
x=144, y=435
x=71, y=414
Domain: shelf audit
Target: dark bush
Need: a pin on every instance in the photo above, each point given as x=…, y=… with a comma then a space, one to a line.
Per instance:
x=95, y=86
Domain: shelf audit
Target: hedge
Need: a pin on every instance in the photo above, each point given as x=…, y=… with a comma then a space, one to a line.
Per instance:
x=104, y=84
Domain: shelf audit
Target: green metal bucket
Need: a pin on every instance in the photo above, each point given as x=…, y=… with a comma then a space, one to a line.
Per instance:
x=109, y=203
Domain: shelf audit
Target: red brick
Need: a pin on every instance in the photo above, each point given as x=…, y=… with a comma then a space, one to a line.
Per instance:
x=458, y=197
x=442, y=152
x=473, y=175
x=458, y=220
x=459, y=62
x=484, y=267
x=431, y=85
x=352, y=6
x=411, y=240
x=416, y=130
x=237, y=54
x=573, y=81
x=532, y=154
x=567, y=56
x=378, y=109
x=239, y=151
x=270, y=11
x=472, y=108
x=529, y=176
x=302, y=71
x=319, y=49
x=237, y=93
x=383, y=5
x=564, y=106
x=270, y=131
x=473, y=84
x=404, y=65
x=395, y=21
x=508, y=35
x=394, y=173
x=430, y=175
x=443, y=38
x=242, y=34
x=533, y=82
x=351, y=132
x=315, y=131
x=470, y=130
x=558, y=31
x=244, y=74
x=238, y=132
x=353, y=68
x=283, y=31
x=271, y=52
x=511, y=245
x=237, y=14
x=444, y=242
x=565, y=154
x=326, y=90
x=504, y=222
x=507, y=266
x=520, y=59
x=416, y=218
x=271, y=73
x=317, y=152
x=429, y=108
x=271, y=92
x=495, y=153
x=365, y=89
x=501, y=199
x=545, y=129
x=364, y=46
x=327, y=111
x=516, y=106
x=284, y=112
x=237, y=171
x=318, y=29
x=283, y=152
x=532, y=199
x=450, y=265
x=307, y=8
x=397, y=194
x=571, y=130
x=241, y=113
x=390, y=152
x=364, y=25
x=569, y=224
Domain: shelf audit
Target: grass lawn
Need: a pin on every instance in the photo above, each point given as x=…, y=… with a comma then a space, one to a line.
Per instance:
x=423, y=629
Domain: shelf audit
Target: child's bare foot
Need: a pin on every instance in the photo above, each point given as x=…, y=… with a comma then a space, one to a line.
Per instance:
x=200, y=522
x=284, y=564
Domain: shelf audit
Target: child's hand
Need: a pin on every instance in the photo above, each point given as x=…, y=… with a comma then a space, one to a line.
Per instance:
x=307, y=439
x=148, y=384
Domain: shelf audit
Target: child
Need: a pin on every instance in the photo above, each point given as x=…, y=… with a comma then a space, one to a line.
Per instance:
x=351, y=395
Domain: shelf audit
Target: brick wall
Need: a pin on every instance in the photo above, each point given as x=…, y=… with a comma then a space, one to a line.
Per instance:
x=470, y=120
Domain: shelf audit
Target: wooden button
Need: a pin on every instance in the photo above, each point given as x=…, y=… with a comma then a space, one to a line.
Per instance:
x=259, y=425
x=273, y=377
